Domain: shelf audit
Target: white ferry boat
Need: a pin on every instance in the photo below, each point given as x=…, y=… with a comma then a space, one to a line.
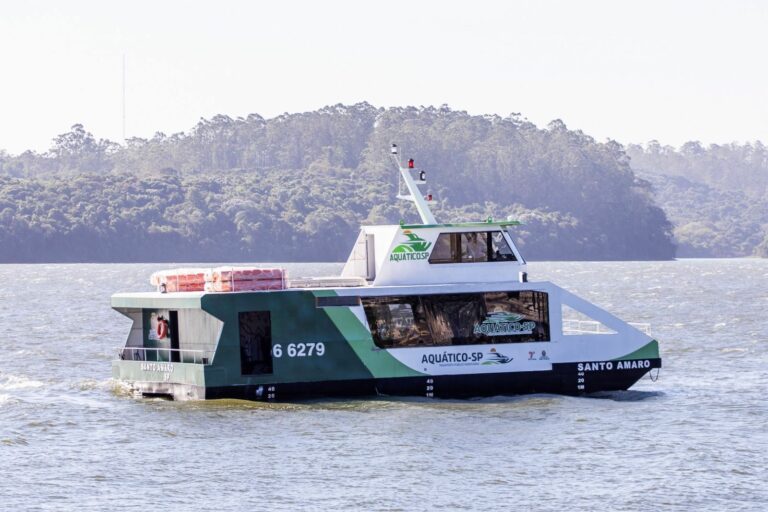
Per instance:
x=430, y=309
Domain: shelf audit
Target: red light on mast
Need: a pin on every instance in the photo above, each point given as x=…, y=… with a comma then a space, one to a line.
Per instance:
x=410, y=163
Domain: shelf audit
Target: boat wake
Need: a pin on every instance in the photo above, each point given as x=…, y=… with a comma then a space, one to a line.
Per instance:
x=14, y=382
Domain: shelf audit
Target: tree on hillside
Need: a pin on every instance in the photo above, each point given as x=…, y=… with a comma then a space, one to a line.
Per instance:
x=78, y=150
x=297, y=186
x=716, y=196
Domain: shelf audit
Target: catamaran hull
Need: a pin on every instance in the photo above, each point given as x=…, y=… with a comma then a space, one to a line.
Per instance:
x=563, y=379
x=317, y=343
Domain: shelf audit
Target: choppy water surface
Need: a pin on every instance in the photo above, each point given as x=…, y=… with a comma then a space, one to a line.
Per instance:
x=697, y=439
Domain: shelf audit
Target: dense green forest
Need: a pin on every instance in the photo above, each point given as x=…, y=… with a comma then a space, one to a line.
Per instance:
x=296, y=187
x=716, y=196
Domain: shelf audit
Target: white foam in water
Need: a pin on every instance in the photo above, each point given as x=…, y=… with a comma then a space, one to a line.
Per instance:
x=9, y=382
x=113, y=385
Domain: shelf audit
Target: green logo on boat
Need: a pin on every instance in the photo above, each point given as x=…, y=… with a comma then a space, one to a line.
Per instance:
x=502, y=323
x=415, y=248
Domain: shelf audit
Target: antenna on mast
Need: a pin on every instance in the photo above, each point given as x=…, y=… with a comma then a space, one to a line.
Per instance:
x=123, y=98
x=414, y=194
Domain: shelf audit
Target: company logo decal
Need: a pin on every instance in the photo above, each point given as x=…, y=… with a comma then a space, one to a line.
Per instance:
x=415, y=248
x=495, y=357
x=453, y=358
x=532, y=356
x=501, y=323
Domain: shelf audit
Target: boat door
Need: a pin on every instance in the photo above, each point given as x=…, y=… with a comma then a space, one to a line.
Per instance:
x=255, y=342
x=370, y=258
x=362, y=260
x=174, y=334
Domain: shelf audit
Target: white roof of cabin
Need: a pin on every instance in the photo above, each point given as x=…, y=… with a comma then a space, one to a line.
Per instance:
x=396, y=265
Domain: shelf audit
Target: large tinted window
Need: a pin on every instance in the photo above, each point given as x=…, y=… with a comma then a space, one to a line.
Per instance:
x=471, y=247
x=458, y=319
x=397, y=321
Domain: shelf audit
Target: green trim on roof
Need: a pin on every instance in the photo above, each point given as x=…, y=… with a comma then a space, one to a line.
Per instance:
x=462, y=225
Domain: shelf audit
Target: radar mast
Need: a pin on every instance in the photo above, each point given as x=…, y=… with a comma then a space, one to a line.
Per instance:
x=413, y=194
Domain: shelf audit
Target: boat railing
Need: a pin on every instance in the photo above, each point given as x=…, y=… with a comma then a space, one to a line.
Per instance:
x=171, y=355
x=326, y=282
x=576, y=326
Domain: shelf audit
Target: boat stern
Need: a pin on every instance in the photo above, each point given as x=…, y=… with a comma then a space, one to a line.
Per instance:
x=171, y=343
x=167, y=379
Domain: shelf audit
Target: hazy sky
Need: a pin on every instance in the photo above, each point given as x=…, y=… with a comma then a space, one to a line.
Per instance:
x=631, y=71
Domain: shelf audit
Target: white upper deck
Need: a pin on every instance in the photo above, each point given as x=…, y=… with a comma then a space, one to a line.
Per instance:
x=432, y=253
x=435, y=254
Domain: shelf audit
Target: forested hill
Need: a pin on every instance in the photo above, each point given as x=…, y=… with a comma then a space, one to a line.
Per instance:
x=716, y=196
x=297, y=187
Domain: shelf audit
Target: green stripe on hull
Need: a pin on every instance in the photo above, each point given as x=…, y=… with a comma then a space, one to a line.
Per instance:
x=378, y=361
x=649, y=351
x=295, y=319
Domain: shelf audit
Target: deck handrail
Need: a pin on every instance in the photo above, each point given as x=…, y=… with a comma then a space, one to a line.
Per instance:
x=576, y=326
x=165, y=354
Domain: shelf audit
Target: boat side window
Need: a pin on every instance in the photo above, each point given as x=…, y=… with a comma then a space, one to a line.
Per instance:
x=513, y=317
x=500, y=250
x=397, y=321
x=471, y=247
x=447, y=249
x=474, y=247
x=458, y=319
x=452, y=317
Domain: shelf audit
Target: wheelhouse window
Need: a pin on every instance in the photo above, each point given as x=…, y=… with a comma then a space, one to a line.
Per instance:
x=471, y=247
x=458, y=319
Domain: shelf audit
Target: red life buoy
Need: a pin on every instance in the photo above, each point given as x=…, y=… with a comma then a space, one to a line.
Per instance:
x=162, y=329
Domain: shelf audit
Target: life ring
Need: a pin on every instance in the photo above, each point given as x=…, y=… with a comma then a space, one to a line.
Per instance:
x=162, y=329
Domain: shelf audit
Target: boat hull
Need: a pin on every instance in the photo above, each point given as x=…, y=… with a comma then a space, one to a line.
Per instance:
x=571, y=379
x=302, y=344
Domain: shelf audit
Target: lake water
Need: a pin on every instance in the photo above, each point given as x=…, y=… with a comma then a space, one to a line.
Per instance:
x=697, y=439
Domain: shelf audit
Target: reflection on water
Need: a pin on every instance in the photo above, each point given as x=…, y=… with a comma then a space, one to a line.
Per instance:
x=71, y=438
x=629, y=395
